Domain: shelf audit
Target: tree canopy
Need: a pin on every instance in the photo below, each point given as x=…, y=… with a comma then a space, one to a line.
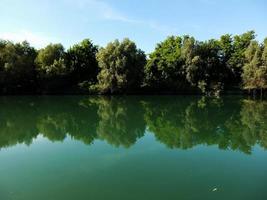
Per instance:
x=121, y=67
x=82, y=60
x=179, y=64
x=255, y=68
x=164, y=68
x=17, y=69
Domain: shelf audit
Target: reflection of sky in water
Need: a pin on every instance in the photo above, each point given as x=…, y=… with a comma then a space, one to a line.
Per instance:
x=70, y=169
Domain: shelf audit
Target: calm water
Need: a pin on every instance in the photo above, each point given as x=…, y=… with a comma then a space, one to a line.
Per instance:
x=132, y=148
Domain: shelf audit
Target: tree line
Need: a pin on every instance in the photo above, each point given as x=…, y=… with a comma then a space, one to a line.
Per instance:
x=179, y=64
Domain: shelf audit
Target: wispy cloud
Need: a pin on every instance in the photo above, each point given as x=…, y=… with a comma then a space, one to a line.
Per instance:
x=99, y=9
x=107, y=12
x=36, y=39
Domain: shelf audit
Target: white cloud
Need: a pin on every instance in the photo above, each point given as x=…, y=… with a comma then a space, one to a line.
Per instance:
x=35, y=39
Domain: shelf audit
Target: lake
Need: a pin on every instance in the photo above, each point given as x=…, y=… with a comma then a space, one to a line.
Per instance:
x=132, y=148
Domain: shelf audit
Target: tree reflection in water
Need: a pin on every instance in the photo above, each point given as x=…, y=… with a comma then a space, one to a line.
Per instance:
x=178, y=122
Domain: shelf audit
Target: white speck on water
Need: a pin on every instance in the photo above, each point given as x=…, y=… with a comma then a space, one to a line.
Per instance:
x=214, y=189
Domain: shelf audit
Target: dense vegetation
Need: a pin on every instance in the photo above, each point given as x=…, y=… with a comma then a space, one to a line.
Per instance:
x=177, y=65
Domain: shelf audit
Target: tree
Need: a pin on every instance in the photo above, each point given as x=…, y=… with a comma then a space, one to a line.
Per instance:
x=251, y=65
x=225, y=53
x=264, y=53
x=255, y=73
x=82, y=59
x=191, y=60
x=121, y=67
x=164, y=69
x=50, y=61
x=203, y=65
x=262, y=71
x=179, y=64
x=226, y=48
x=53, y=72
x=237, y=59
x=261, y=77
x=17, y=70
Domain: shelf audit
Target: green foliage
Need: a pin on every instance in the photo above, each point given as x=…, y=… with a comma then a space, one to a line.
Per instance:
x=191, y=60
x=177, y=65
x=164, y=69
x=264, y=53
x=17, y=69
x=121, y=67
x=237, y=59
x=226, y=48
x=208, y=72
x=255, y=70
x=50, y=61
x=82, y=60
x=184, y=63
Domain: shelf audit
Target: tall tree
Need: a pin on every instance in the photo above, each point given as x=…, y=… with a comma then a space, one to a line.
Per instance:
x=53, y=73
x=237, y=59
x=164, y=69
x=264, y=54
x=255, y=73
x=50, y=61
x=203, y=64
x=17, y=69
x=121, y=67
x=82, y=60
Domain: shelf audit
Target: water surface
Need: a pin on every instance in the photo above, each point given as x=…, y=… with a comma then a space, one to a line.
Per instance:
x=147, y=147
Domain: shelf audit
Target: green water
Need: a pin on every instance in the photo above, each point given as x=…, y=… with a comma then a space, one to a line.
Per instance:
x=132, y=148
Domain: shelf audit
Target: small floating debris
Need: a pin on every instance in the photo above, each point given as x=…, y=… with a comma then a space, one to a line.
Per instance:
x=214, y=189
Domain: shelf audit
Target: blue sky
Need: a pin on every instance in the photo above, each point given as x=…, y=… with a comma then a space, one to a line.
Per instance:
x=146, y=22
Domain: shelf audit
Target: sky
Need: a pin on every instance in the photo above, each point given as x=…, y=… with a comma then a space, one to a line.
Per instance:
x=147, y=22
